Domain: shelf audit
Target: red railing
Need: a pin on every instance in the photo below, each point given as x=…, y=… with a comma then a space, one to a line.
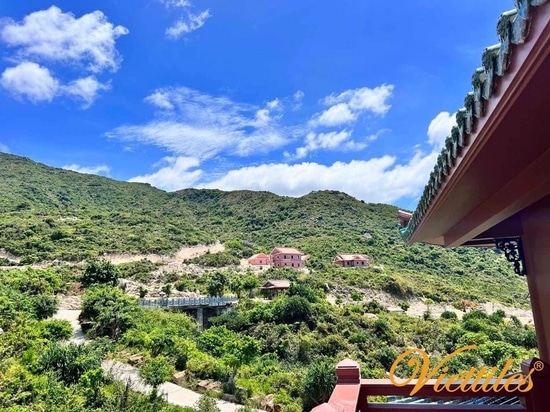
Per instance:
x=351, y=393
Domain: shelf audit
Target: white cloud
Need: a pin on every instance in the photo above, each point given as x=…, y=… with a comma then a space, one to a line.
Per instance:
x=375, y=180
x=54, y=36
x=337, y=140
x=86, y=89
x=30, y=80
x=4, y=148
x=85, y=44
x=160, y=99
x=175, y=175
x=176, y=3
x=440, y=128
x=335, y=115
x=186, y=25
x=275, y=104
x=347, y=106
x=91, y=170
x=298, y=96
x=201, y=126
x=373, y=100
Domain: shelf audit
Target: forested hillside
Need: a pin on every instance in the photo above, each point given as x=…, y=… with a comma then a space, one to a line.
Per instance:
x=283, y=350
x=49, y=213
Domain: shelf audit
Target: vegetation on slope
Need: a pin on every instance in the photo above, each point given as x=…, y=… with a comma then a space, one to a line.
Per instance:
x=287, y=347
x=51, y=214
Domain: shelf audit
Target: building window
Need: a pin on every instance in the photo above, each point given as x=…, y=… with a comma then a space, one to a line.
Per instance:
x=293, y=265
x=285, y=256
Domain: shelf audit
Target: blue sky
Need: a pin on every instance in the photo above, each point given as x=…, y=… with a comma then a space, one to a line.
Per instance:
x=287, y=96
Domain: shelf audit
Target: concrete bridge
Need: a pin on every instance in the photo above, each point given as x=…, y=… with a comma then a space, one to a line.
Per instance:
x=204, y=307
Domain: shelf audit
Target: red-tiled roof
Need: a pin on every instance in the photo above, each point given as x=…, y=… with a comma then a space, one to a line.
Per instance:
x=288, y=250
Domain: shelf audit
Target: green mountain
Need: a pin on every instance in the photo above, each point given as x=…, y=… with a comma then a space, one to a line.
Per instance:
x=48, y=213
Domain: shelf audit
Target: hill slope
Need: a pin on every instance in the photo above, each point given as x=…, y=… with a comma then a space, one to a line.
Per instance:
x=49, y=213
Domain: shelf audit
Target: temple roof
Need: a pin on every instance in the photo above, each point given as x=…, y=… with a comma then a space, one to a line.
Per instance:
x=512, y=29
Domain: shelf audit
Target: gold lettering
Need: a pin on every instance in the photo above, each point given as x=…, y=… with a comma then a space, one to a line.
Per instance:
x=487, y=381
x=529, y=381
x=467, y=377
x=515, y=380
x=440, y=379
x=479, y=377
x=503, y=372
x=424, y=369
x=450, y=381
x=422, y=374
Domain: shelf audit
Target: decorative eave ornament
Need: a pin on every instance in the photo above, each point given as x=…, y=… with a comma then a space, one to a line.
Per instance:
x=513, y=250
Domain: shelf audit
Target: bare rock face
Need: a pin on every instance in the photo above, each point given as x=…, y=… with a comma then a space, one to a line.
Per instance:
x=179, y=378
x=229, y=398
x=70, y=302
x=267, y=403
x=135, y=360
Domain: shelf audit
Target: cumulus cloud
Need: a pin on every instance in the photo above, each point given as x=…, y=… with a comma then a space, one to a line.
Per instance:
x=160, y=99
x=47, y=39
x=336, y=115
x=376, y=180
x=337, y=140
x=51, y=35
x=199, y=125
x=175, y=175
x=91, y=170
x=347, y=106
x=85, y=89
x=31, y=81
x=440, y=128
x=4, y=148
x=188, y=24
x=382, y=179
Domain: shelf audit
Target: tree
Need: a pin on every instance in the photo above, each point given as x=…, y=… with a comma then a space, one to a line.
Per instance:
x=99, y=272
x=216, y=284
x=155, y=372
x=319, y=383
x=111, y=310
x=206, y=404
x=239, y=350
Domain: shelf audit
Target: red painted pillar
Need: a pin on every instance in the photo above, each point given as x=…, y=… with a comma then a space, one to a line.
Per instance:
x=536, y=247
x=345, y=396
x=538, y=398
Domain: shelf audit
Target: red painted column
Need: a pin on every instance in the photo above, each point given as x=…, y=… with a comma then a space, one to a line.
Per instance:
x=345, y=396
x=538, y=398
x=535, y=221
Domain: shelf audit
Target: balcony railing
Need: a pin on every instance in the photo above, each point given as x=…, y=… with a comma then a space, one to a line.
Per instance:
x=351, y=393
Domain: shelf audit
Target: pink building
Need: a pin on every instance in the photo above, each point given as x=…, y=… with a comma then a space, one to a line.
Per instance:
x=352, y=261
x=260, y=259
x=287, y=257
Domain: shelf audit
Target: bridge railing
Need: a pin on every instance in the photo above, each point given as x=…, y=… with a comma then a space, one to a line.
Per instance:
x=187, y=302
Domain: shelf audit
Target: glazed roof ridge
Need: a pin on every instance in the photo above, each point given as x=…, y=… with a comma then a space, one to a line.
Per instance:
x=512, y=28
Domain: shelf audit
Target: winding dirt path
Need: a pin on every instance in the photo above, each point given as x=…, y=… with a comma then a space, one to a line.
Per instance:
x=179, y=256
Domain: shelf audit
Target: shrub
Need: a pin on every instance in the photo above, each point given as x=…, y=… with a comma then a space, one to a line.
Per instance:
x=449, y=315
x=356, y=296
x=100, y=272
x=373, y=306
x=57, y=330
